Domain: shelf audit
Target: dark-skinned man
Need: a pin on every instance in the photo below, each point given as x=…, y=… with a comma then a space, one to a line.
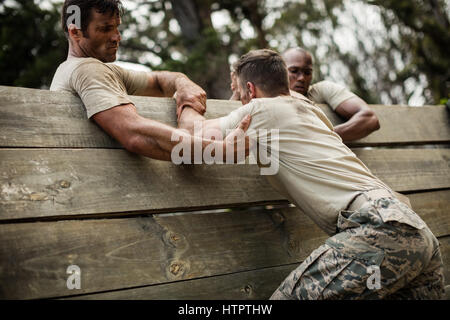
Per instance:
x=361, y=120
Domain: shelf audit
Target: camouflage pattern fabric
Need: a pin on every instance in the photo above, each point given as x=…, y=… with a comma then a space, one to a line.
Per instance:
x=383, y=235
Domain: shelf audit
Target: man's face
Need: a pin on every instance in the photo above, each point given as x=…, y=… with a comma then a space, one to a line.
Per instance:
x=299, y=66
x=103, y=37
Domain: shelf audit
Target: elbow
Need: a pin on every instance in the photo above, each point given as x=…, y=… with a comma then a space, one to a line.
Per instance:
x=131, y=143
x=137, y=143
x=375, y=122
x=372, y=122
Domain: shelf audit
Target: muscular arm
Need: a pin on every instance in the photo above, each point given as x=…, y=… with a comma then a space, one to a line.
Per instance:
x=135, y=133
x=148, y=137
x=166, y=84
x=361, y=120
x=191, y=120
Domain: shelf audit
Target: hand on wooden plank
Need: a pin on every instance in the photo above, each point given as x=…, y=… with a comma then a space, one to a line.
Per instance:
x=189, y=94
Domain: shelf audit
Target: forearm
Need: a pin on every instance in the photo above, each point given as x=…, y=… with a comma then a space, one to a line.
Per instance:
x=158, y=141
x=169, y=82
x=188, y=119
x=151, y=139
x=358, y=126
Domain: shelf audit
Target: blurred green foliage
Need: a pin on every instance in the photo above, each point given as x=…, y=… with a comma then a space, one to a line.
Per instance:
x=181, y=36
x=31, y=44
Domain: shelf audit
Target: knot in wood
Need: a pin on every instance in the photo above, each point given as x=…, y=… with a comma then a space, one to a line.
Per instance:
x=175, y=268
x=248, y=289
x=277, y=217
x=64, y=184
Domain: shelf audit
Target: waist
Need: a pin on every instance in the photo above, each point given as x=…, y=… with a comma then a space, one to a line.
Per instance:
x=388, y=205
x=360, y=200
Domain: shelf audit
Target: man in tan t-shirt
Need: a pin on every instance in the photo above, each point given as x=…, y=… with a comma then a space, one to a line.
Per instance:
x=104, y=87
x=370, y=229
x=361, y=120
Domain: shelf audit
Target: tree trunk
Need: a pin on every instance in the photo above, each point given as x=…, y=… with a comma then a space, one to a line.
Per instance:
x=194, y=18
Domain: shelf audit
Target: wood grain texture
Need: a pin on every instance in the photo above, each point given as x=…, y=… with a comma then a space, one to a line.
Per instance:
x=402, y=125
x=434, y=208
x=126, y=253
x=57, y=182
x=251, y=285
x=42, y=118
x=122, y=253
x=43, y=182
x=220, y=255
x=409, y=169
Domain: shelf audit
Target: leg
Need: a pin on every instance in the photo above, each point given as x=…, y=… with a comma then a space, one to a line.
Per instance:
x=326, y=274
x=346, y=266
x=428, y=285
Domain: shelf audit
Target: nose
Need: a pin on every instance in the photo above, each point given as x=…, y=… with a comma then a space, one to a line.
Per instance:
x=301, y=76
x=116, y=37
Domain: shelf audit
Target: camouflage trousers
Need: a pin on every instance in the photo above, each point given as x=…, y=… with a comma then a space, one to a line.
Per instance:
x=373, y=256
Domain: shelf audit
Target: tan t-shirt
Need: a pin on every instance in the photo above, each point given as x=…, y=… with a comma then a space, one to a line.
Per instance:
x=317, y=172
x=329, y=93
x=100, y=86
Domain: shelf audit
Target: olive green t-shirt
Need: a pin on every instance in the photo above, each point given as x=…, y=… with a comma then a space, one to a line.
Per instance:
x=100, y=86
x=316, y=170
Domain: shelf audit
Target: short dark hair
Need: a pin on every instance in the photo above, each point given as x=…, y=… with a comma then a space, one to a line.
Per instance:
x=299, y=50
x=266, y=69
x=86, y=6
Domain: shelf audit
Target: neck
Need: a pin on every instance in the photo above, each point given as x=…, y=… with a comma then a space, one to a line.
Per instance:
x=278, y=94
x=75, y=52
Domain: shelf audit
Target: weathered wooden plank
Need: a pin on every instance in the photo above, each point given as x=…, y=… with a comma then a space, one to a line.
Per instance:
x=124, y=253
x=42, y=183
x=249, y=285
x=41, y=118
x=56, y=182
x=409, y=169
x=254, y=285
x=434, y=208
x=400, y=125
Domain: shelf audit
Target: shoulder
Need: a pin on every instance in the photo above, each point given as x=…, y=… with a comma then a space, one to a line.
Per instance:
x=90, y=71
x=330, y=93
x=91, y=66
x=324, y=85
x=68, y=71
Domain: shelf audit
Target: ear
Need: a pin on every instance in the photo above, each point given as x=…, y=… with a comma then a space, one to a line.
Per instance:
x=251, y=89
x=74, y=32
